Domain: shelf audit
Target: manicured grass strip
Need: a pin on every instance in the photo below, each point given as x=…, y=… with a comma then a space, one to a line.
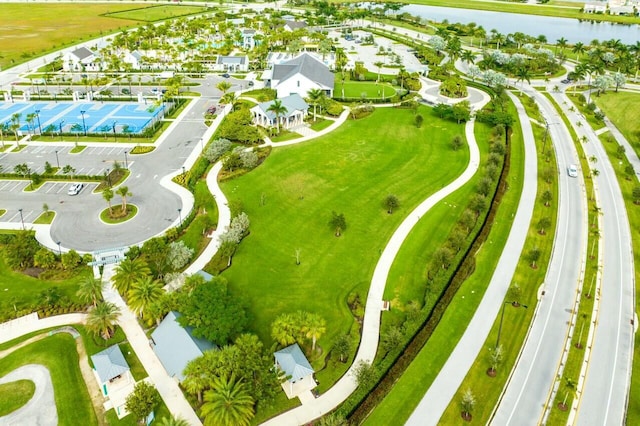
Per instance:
x=516, y=320
x=410, y=389
x=137, y=369
x=206, y=219
x=45, y=218
x=14, y=395
x=77, y=149
x=350, y=171
x=285, y=135
x=363, y=90
x=623, y=109
x=161, y=412
x=58, y=353
x=2, y=212
x=321, y=124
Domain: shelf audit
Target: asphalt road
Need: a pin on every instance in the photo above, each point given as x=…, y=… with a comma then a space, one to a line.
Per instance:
x=524, y=397
x=607, y=383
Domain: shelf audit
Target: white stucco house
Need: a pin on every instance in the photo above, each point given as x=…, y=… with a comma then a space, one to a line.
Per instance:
x=248, y=38
x=299, y=76
x=232, y=63
x=134, y=59
x=595, y=7
x=296, y=368
x=291, y=25
x=296, y=107
x=81, y=59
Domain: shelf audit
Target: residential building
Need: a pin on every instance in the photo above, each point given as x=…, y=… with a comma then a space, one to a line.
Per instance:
x=232, y=63
x=290, y=25
x=81, y=59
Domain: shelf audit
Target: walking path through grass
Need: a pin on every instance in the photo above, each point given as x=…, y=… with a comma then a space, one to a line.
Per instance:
x=315, y=408
x=41, y=408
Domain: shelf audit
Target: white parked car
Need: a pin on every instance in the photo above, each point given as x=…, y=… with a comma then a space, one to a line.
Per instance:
x=572, y=170
x=75, y=189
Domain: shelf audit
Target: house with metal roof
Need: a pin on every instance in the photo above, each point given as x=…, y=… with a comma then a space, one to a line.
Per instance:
x=114, y=377
x=176, y=345
x=299, y=373
x=232, y=63
x=299, y=75
x=296, y=111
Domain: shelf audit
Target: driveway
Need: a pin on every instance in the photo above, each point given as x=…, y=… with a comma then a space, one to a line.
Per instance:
x=41, y=408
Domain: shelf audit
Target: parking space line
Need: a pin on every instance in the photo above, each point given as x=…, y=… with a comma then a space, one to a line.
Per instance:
x=13, y=217
x=62, y=187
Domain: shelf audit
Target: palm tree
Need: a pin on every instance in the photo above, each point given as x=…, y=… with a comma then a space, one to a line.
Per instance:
x=228, y=403
x=578, y=49
x=90, y=290
x=107, y=194
x=378, y=64
x=315, y=96
x=561, y=43
x=173, y=421
x=314, y=327
x=278, y=109
x=223, y=86
x=523, y=74
x=30, y=120
x=468, y=56
x=128, y=272
x=102, y=319
x=282, y=330
x=143, y=293
x=15, y=123
x=123, y=191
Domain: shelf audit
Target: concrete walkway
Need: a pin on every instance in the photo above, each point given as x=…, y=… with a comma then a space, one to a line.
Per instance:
x=41, y=409
x=166, y=385
x=371, y=325
x=30, y=323
x=446, y=384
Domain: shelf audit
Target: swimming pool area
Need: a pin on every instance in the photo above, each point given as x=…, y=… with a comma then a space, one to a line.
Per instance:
x=80, y=117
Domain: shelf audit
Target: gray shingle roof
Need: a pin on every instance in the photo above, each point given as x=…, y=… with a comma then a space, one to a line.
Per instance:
x=295, y=24
x=82, y=53
x=306, y=65
x=292, y=103
x=176, y=346
x=293, y=363
x=109, y=363
x=231, y=60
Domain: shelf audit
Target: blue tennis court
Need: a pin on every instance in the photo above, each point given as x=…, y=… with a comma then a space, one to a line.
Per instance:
x=75, y=117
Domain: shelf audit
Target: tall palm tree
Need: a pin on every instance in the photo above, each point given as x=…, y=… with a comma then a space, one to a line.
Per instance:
x=107, y=194
x=561, y=43
x=523, y=74
x=228, y=403
x=579, y=49
x=282, y=330
x=124, y=192
x=90, y=290
x=143, y=293
x=468, y=56
x=315, y=96
x=102, y=319
x=278, y=109
x=314, y=327
x=223, y=86
x=128, y=272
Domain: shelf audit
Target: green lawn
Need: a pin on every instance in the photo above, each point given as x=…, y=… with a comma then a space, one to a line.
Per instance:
x=23, y=290
x=14, y=395
x=58, y=353
x=30, y=30
x=285, y=135
x=320, y=124
x=407, y=283
x=206, y=205
x=370, y=90
x=161, y=412
x=157, y=13
x=622, y=108
x=45, y=218
x=349, y=171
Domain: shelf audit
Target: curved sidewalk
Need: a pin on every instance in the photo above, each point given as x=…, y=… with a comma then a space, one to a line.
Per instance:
x=444, y=387
x=371, y=325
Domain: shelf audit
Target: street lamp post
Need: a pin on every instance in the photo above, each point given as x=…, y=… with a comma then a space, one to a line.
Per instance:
x=30, y=181
x=38, y=117
x=59, y=250
x=126, y=163
x=514, y=304
x=21, y=218
x=61, y=123
x=107, y=178
x=84, y=125
x=179, y=216
x=113, y=126
x=546, y=131
x=57, y=160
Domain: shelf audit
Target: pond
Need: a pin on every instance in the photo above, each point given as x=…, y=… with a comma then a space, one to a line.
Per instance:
x=508, y=23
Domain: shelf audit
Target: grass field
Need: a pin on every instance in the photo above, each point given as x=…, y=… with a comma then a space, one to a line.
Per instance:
x=22, y=290
x=350, y=171
x=410, y=388
x=58, y=353
x=364, y=90
x=157, y=13
x=622, y=109
x=33, y=29
x=14, y=395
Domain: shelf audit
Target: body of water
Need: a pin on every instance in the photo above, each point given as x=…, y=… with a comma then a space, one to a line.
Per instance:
x=508, y=23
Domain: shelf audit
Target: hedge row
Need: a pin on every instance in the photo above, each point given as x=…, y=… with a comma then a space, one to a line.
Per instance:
x=363, y=401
